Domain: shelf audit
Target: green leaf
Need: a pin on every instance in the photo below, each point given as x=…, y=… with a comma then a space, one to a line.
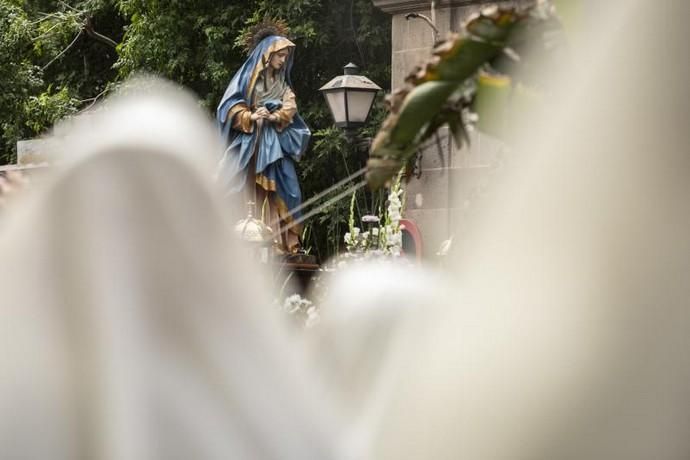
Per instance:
x=420, y=106
x=491, y=103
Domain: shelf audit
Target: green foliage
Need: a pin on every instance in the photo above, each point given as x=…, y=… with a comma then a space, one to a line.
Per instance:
x=19, y=78
x=330, y=161
x=190, y=43
x=49, y=65
x=47, y=108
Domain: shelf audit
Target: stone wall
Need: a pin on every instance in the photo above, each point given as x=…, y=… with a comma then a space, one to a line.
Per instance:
x=446, y=193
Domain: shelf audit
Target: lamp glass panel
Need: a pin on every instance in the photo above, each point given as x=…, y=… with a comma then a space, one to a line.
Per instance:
x=336, y=101
x=359, y=103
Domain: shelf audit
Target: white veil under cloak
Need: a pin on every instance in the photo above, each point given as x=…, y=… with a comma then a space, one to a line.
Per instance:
x=133, y=325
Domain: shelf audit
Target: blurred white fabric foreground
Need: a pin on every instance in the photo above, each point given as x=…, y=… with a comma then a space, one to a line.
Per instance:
x=133, y=327
x=572, y=338
x=368, y=310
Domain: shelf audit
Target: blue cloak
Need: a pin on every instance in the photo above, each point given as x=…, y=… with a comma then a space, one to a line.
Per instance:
x=276, y=151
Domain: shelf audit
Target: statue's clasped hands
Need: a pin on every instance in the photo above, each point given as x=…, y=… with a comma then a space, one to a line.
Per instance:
x=263, y=113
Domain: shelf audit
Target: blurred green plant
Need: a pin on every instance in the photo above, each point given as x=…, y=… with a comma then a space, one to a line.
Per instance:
x=481, y=74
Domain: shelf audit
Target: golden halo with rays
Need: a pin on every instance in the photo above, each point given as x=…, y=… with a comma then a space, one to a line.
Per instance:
x=267, y=27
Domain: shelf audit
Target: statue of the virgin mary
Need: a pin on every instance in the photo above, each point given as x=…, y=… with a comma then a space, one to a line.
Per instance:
x=264, y=134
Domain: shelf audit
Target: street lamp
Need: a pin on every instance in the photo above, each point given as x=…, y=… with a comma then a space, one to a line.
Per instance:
x=350, y=97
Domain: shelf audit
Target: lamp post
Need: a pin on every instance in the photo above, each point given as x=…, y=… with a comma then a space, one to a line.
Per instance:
x=350, y=97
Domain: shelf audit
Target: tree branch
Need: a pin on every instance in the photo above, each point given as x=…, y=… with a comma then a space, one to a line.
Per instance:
x=62, y=52
x=93, y=100
x=88, y=28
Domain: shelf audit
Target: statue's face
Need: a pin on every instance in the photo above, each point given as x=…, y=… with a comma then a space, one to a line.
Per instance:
x=278, y=59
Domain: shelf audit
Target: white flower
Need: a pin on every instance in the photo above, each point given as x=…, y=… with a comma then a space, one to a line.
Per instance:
x=301, y=309
x=291, y=303
x=370, y=219
x=379, y=241
x=305, y=304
